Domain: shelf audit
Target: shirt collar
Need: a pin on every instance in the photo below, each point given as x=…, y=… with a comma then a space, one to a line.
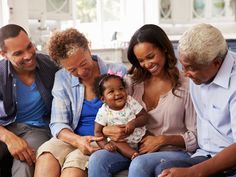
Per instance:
x=223, y=75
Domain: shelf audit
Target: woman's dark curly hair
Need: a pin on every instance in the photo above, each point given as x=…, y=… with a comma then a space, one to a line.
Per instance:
x=98, y=85
x=63, y=44
x=153, y=34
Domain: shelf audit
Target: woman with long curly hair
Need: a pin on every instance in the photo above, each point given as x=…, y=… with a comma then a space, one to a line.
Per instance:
x=156, y=83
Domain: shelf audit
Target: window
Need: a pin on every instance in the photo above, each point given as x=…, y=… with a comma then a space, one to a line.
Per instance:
x=98, y=20
x=86, y=11
x=195, y=11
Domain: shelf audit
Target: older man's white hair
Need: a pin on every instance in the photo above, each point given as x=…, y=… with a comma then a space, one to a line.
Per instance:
x=203, y=43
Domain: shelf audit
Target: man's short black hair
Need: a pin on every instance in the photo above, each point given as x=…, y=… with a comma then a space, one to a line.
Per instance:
x=9, y=31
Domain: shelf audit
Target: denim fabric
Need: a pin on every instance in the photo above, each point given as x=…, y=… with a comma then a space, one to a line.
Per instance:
x=103, y=163
x=188, y=162
x=144, y=165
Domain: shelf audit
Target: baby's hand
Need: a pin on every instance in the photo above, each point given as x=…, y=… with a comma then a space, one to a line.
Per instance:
x=134, y=155
x=110, y=147
x=129, y=128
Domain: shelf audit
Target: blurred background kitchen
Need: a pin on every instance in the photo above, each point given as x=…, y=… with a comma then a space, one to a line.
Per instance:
x=109, y=24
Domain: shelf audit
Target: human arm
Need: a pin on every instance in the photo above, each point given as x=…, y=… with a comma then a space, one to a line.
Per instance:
x=152, y=143
x=80, y=142
x=125, y=149
x=17, y=146
x=181, y=118
x=222, y=161
x=119, y=132
x=140, y=120
x=66, y=112
x=190, y=122
x=103, y=143
x=115, y=132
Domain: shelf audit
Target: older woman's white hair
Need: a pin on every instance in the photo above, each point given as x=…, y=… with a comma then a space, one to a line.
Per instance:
x=203, y=43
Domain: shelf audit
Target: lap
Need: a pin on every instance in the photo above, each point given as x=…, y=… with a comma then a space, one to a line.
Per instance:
x=188, y=162
x=66, y=154
x=153, y=159
x=144, y=165
x=107, y=163
x=35, y=136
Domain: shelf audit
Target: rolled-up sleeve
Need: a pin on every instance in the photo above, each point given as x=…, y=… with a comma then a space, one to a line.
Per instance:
x=61, y=114
x=190, y=136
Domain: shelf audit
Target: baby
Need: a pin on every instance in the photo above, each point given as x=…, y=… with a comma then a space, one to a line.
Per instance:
x=118, y=109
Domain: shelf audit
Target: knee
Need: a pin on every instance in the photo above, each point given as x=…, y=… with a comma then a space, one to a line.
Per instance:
x=46, y=158
x=137, y=164
x=158, y=169
x=44, y=165
x=98, y=158
x=162, y=166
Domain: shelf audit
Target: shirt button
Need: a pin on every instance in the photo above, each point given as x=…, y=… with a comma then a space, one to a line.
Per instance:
x=14, y=85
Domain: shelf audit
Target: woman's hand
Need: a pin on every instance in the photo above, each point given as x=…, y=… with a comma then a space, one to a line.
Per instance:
x=84, y=144
x=115, y=132
x=151, y=143
x=110, y=147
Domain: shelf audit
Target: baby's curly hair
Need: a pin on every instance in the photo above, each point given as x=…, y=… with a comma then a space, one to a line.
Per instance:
x=63, y=44
x=98, y=86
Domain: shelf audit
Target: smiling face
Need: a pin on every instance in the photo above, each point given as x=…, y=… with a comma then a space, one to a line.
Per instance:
x=20, y=52
x=199, y=73
x=80, y=64
x=114, y=94
x=150, y=58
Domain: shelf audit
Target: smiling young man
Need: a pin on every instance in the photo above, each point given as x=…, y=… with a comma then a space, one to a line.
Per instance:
x=26, y=79
x=206, y=60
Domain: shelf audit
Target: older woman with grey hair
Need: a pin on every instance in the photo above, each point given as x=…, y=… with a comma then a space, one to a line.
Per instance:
x=207, y=61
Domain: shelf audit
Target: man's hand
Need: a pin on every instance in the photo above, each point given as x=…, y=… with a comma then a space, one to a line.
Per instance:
x=117, y=133
x=20, y=149
x=84, y=144
x=151, y=143
x=179, y=172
